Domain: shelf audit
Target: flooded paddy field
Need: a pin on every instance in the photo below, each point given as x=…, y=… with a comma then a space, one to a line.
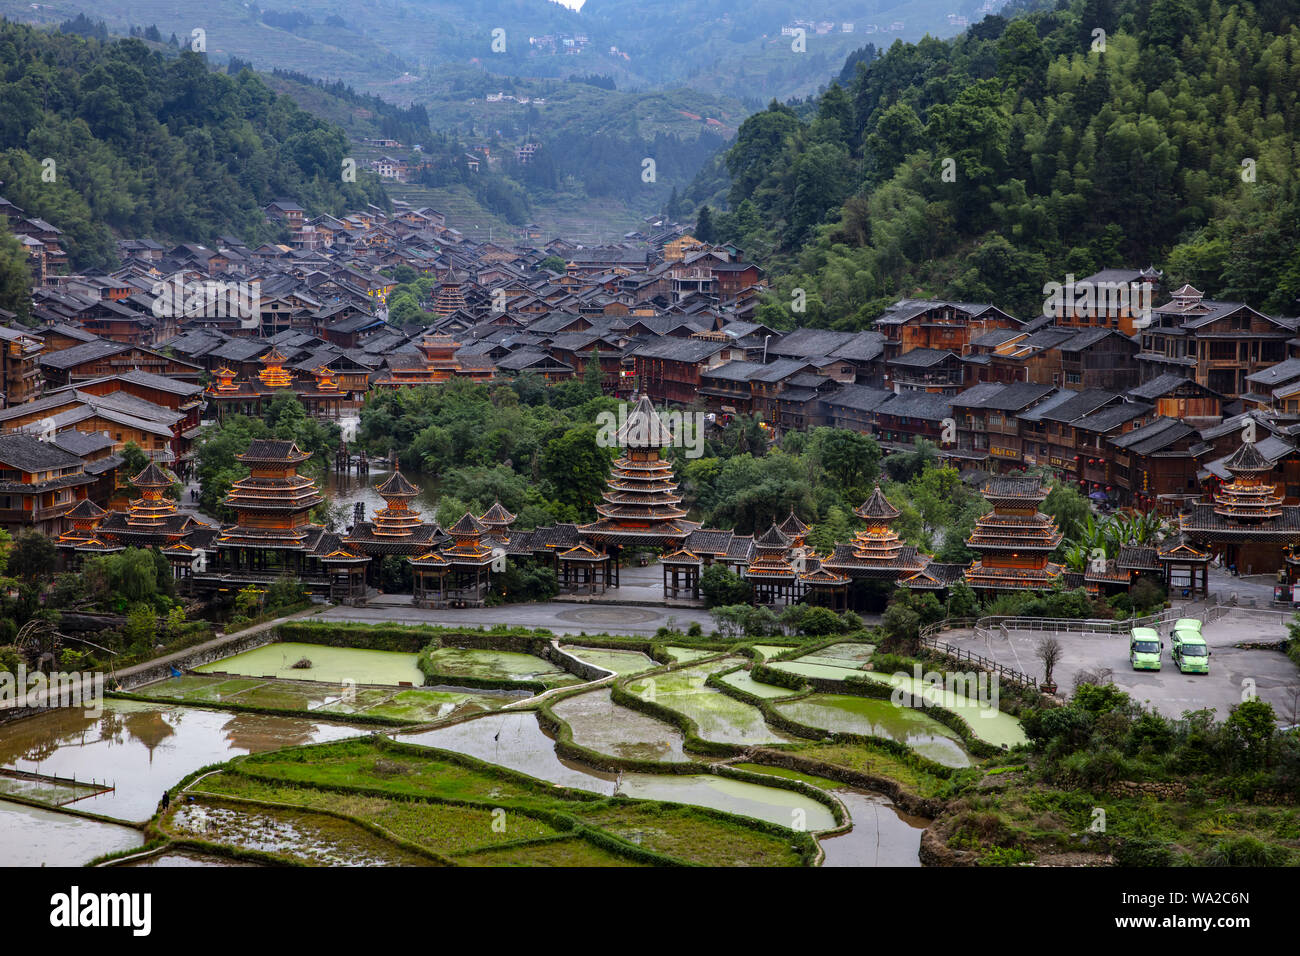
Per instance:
x=882, y=834
x=488, y=664
x=619, y=661
x=784, y=807
x=418, y=704
x=313, y=838
x=608, y=728
x=719, y=717
x=843, y=660
x=34, y=837
x=874, y=717
x=523, y=746
x=741, y=680
x=683, y=655
x=986, y=721
x=49, y=790
x=143, y=749
x=402, y=787
x=360, y=800
x=514, y=741
x=331, y=665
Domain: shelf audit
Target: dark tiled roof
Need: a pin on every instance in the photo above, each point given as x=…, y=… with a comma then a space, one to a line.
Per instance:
x=271, y=449
x=27, y=454
x=1137, y=558
x=773, y=537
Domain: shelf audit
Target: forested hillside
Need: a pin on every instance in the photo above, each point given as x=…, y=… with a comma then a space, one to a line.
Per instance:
x=142, y=144
x=731, y=47
x=981, y=168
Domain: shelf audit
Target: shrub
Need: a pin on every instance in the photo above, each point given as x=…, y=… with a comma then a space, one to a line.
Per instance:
x=1245, y=851
x=1135, y=851
x=141, y=627
x=1096, y=769
x=10, y=659
x=818, y=621
x=721, y=586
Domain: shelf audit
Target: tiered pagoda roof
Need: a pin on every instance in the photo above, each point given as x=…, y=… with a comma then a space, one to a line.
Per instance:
x=1015, y=539
x=225, y=384
x=152, y=520
x=876, y=551
x=771, y=557
x=795, y=528
x=273, y=503
x=275, y=375
x=153, y=508
x=467, y=544
x=397, y=528
x=1245, y=508
x=498, y=521
x=86, y=518
x=325, y=379
x=449, y=297
x=1248, y=497
x=641, y=503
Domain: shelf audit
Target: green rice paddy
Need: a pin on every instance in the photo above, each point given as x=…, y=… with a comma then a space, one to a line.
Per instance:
x=419, y=705
x=332, y=665
x=873, y=717
x=487, y=664
x=620, y=662
x=719, y=717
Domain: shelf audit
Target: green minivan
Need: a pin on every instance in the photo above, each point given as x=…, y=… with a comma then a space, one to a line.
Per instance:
x=1187, y=624
x=1144, y=646
x=1190, y=652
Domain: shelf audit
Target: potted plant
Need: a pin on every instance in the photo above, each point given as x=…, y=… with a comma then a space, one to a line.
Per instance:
x=1049, y=652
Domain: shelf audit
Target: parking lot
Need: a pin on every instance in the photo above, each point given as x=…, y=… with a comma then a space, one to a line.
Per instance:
x=1275, y=678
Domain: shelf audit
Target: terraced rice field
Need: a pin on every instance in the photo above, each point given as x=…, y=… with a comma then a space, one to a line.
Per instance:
x=611, y=659
x=741, y=680
x=499, y=665
x=605, y=727
x=719, y=717
x=331, y=665
x=872, y=717
x=418, y=704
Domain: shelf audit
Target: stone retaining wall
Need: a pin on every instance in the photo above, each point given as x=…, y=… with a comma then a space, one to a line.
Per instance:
x=198, y=657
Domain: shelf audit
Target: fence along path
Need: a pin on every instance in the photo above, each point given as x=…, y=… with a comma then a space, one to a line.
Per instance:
x=930, y=640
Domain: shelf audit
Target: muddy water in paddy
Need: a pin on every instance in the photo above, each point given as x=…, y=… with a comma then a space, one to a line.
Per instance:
x=33, y=837
x=186, y=859
x=317, y=839
x=146, y=748
x=514, y=741
x=882, y=835
x=605, y=727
